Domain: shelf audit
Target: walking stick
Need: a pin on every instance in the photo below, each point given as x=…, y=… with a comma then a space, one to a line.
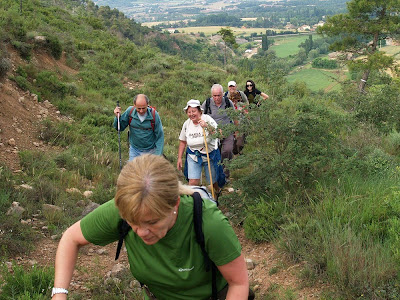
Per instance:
x=209, y=166
x=119, y=140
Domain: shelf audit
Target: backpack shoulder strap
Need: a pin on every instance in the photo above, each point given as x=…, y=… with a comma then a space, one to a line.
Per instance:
x=153, y=113
x=198, y=228
x=225, y=94
x=207, y=111
x=123, y=228
x=227, y=102
x=130, y=115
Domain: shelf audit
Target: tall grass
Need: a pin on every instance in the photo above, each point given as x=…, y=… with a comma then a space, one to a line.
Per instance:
x=347, y=234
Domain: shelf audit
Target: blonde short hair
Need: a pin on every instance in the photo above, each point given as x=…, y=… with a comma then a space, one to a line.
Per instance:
x=149, y=183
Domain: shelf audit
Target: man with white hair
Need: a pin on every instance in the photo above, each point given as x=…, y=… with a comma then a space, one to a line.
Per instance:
x=215, y=107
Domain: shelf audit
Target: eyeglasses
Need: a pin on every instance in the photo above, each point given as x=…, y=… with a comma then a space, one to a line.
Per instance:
x=249, y=85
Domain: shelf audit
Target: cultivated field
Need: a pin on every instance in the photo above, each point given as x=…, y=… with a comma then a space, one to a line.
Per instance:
x=288, y=45
x=318, y=79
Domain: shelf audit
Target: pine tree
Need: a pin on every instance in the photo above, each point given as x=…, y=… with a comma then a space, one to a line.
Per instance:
x=359, y=31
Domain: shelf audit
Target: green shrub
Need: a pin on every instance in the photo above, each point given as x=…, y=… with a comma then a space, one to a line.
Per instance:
x=5, y=66
x=24, y=49
x=264, y=219
x=34, y=284
x=22, y=82
x=55, y=46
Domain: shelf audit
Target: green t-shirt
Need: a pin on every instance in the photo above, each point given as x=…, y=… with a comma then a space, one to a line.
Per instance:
x=173, y=268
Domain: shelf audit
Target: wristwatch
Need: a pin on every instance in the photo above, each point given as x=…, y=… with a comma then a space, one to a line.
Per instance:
x=58, y=291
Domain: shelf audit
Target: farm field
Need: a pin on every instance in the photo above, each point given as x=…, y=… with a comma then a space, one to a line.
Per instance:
x=288, y=45
x=318, y=79
x=392, y=51
x=210, y=30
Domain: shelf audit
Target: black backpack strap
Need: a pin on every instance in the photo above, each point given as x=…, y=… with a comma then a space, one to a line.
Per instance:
x=123, y=229
x=198, y=229
x=207, y=111
x=227, y=102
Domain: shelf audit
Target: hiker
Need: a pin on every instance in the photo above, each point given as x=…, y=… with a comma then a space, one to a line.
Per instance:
x=192, y=136
x=232, y=88
x=163, y=253
x=251, y=92
x=146, y=133
x=215, y=107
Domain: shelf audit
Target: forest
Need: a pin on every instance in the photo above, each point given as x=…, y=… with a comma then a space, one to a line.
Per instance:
x=319, y=174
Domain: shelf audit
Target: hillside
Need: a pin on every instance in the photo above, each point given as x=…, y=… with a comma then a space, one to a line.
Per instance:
x=272, y=273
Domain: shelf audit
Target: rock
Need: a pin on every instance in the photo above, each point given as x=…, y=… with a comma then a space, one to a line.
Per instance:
x=11, y=142
x=102, y=251
x=250, y=264
x=80, y=203
x=15, y=209
x=40, y=39
x=51, y=208
x=26, y=186
x=32, y=262
x=87, y=194
x=18, y=130
x=231, y=190
x=36, y=144
x=73, y=190
x=90, y=207
x=54, y=237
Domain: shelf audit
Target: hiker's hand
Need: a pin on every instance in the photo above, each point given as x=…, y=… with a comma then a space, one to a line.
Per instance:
x=203, y=123
x=179, y=164
x=117, y=111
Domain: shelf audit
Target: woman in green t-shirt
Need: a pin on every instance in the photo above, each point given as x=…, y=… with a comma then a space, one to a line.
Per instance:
x=162, y=249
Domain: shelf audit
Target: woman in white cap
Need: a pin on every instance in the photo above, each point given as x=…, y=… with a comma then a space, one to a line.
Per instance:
x=191, y=138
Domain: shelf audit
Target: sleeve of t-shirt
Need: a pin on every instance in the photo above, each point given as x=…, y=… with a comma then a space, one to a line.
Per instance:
x=258, y=92
x=182, y=135
x=222, y=244
x=100, y=227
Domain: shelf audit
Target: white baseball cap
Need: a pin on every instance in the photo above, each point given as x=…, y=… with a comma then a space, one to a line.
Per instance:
x=230, y=83
x=192, y=103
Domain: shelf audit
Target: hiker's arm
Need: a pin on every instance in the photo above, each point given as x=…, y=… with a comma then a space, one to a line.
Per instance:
x=159, y=132
x=235, y=273
x=123, y=118
x=265, y=96
x=181, y=149
x=67, y=253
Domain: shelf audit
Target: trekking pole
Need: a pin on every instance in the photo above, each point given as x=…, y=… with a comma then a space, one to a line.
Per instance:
x=119, y=140
x=208, y=161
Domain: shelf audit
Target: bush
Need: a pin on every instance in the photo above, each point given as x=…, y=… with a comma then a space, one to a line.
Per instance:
x=55, y=46
x=264, y=219
x=324, y=63
x=24, y=49
x=21, y=284
x=5, y=66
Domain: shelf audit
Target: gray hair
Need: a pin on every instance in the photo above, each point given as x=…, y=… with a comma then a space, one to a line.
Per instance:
x=217, y=86
x=135, y=98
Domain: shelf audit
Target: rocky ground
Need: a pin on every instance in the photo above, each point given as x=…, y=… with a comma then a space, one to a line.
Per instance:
x=20, y=114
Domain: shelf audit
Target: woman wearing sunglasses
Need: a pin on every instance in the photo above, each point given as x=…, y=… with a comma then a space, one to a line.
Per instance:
x=251, y=92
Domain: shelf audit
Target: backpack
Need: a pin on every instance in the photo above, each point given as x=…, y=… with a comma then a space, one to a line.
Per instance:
x=207, y=111
x=124, y=229
x=153, y=121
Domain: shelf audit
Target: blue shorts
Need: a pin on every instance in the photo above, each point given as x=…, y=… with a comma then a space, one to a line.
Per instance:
x=133, y=152
x=194, y=169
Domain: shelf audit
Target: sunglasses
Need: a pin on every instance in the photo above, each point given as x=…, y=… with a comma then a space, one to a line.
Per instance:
x=249, y=85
